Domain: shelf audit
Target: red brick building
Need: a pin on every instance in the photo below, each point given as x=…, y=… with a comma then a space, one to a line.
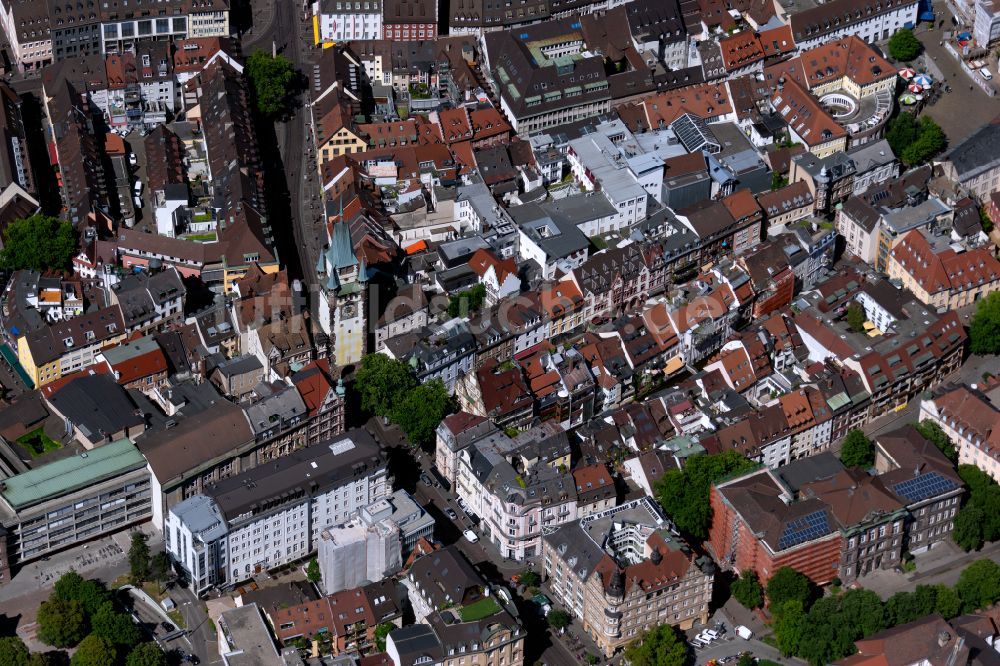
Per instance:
x=409, y=20
x=754, y=529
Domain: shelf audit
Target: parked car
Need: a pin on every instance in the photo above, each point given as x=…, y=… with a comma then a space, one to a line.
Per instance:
x=451, y=513
x=426, y=480
x=696, y=644
x=462, y=505
x=744, y=632
x=471, y=536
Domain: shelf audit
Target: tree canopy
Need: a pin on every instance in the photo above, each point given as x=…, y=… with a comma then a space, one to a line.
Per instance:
x=138, y=558
x=466, y=302
x=825, y=632
x=146, y=654
x=858, y=450
x=856, y=317
x=786, y=585
x=272, y=79
x=984, y=329
x=94, y=651
x=915, y=141
x=116, y=628
x=978, y=521
x=92, y=594
x=558, y=619
x=660, y=646
x=904, y=45
x=932, y=432
x=313, y=573
x=421, y=410
x=13, y=651
x=979, y=585
x=383, y=383
x=381, y=631
x=748, y=591
x=684, y=493
x=38, y=243
x=61, y=623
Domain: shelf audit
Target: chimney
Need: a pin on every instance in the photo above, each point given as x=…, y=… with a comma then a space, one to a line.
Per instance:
x=943, y=638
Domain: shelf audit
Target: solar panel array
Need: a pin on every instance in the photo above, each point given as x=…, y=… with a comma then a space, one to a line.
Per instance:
x=806, y=528
x=926, y=485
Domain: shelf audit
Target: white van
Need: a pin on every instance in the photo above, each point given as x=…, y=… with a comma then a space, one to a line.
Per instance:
x=744, y=632
x=985, y=72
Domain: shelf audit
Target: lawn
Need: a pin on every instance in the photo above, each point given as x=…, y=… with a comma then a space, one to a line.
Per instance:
x=37, y=443
x=201, y=237
x=202, y=217
x=477, y=611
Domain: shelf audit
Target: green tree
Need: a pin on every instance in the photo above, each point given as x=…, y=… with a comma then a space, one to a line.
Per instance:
x=313, y=573
x=748, y=591
x=421, y=411
x=71, y=586
x=381, y=631
x=160, y=568
x=528, y=578
x=383, y=383
x=684, y=493
x=51, y=658
x=61, y=623
x=967, y=530
x=660, y=646
x=787, y=584
x=778, y=181
x=901, y=131
x=862, y=613
x=902, y=607
x=38, y=243
x=13, y=651
x=138, y=558
x=930, y=141
x=984, y=329
x=947, y=602
x=856, y=317
x=558, y=619
x=146, y=654
x=979, y=585
x=116, y=628
x=904, y=46
x=858, y=450
x=94, y=651
x=789, y=626
x=466, y=302
x=932, y=432
x=272, y=81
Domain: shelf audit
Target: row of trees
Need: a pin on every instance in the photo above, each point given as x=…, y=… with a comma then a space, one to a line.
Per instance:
x=83, y=614
x=388, y=389
x=822, y=630
x=978, y=521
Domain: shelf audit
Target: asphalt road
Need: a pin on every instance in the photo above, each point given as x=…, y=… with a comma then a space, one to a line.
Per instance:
x=289, y=33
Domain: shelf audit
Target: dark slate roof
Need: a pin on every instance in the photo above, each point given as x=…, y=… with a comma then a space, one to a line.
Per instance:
x=978, y=153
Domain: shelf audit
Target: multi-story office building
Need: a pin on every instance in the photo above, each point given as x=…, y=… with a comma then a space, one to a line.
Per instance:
x=273, y=514
x=623, y=571
x=39, y=33
x=72, y=500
